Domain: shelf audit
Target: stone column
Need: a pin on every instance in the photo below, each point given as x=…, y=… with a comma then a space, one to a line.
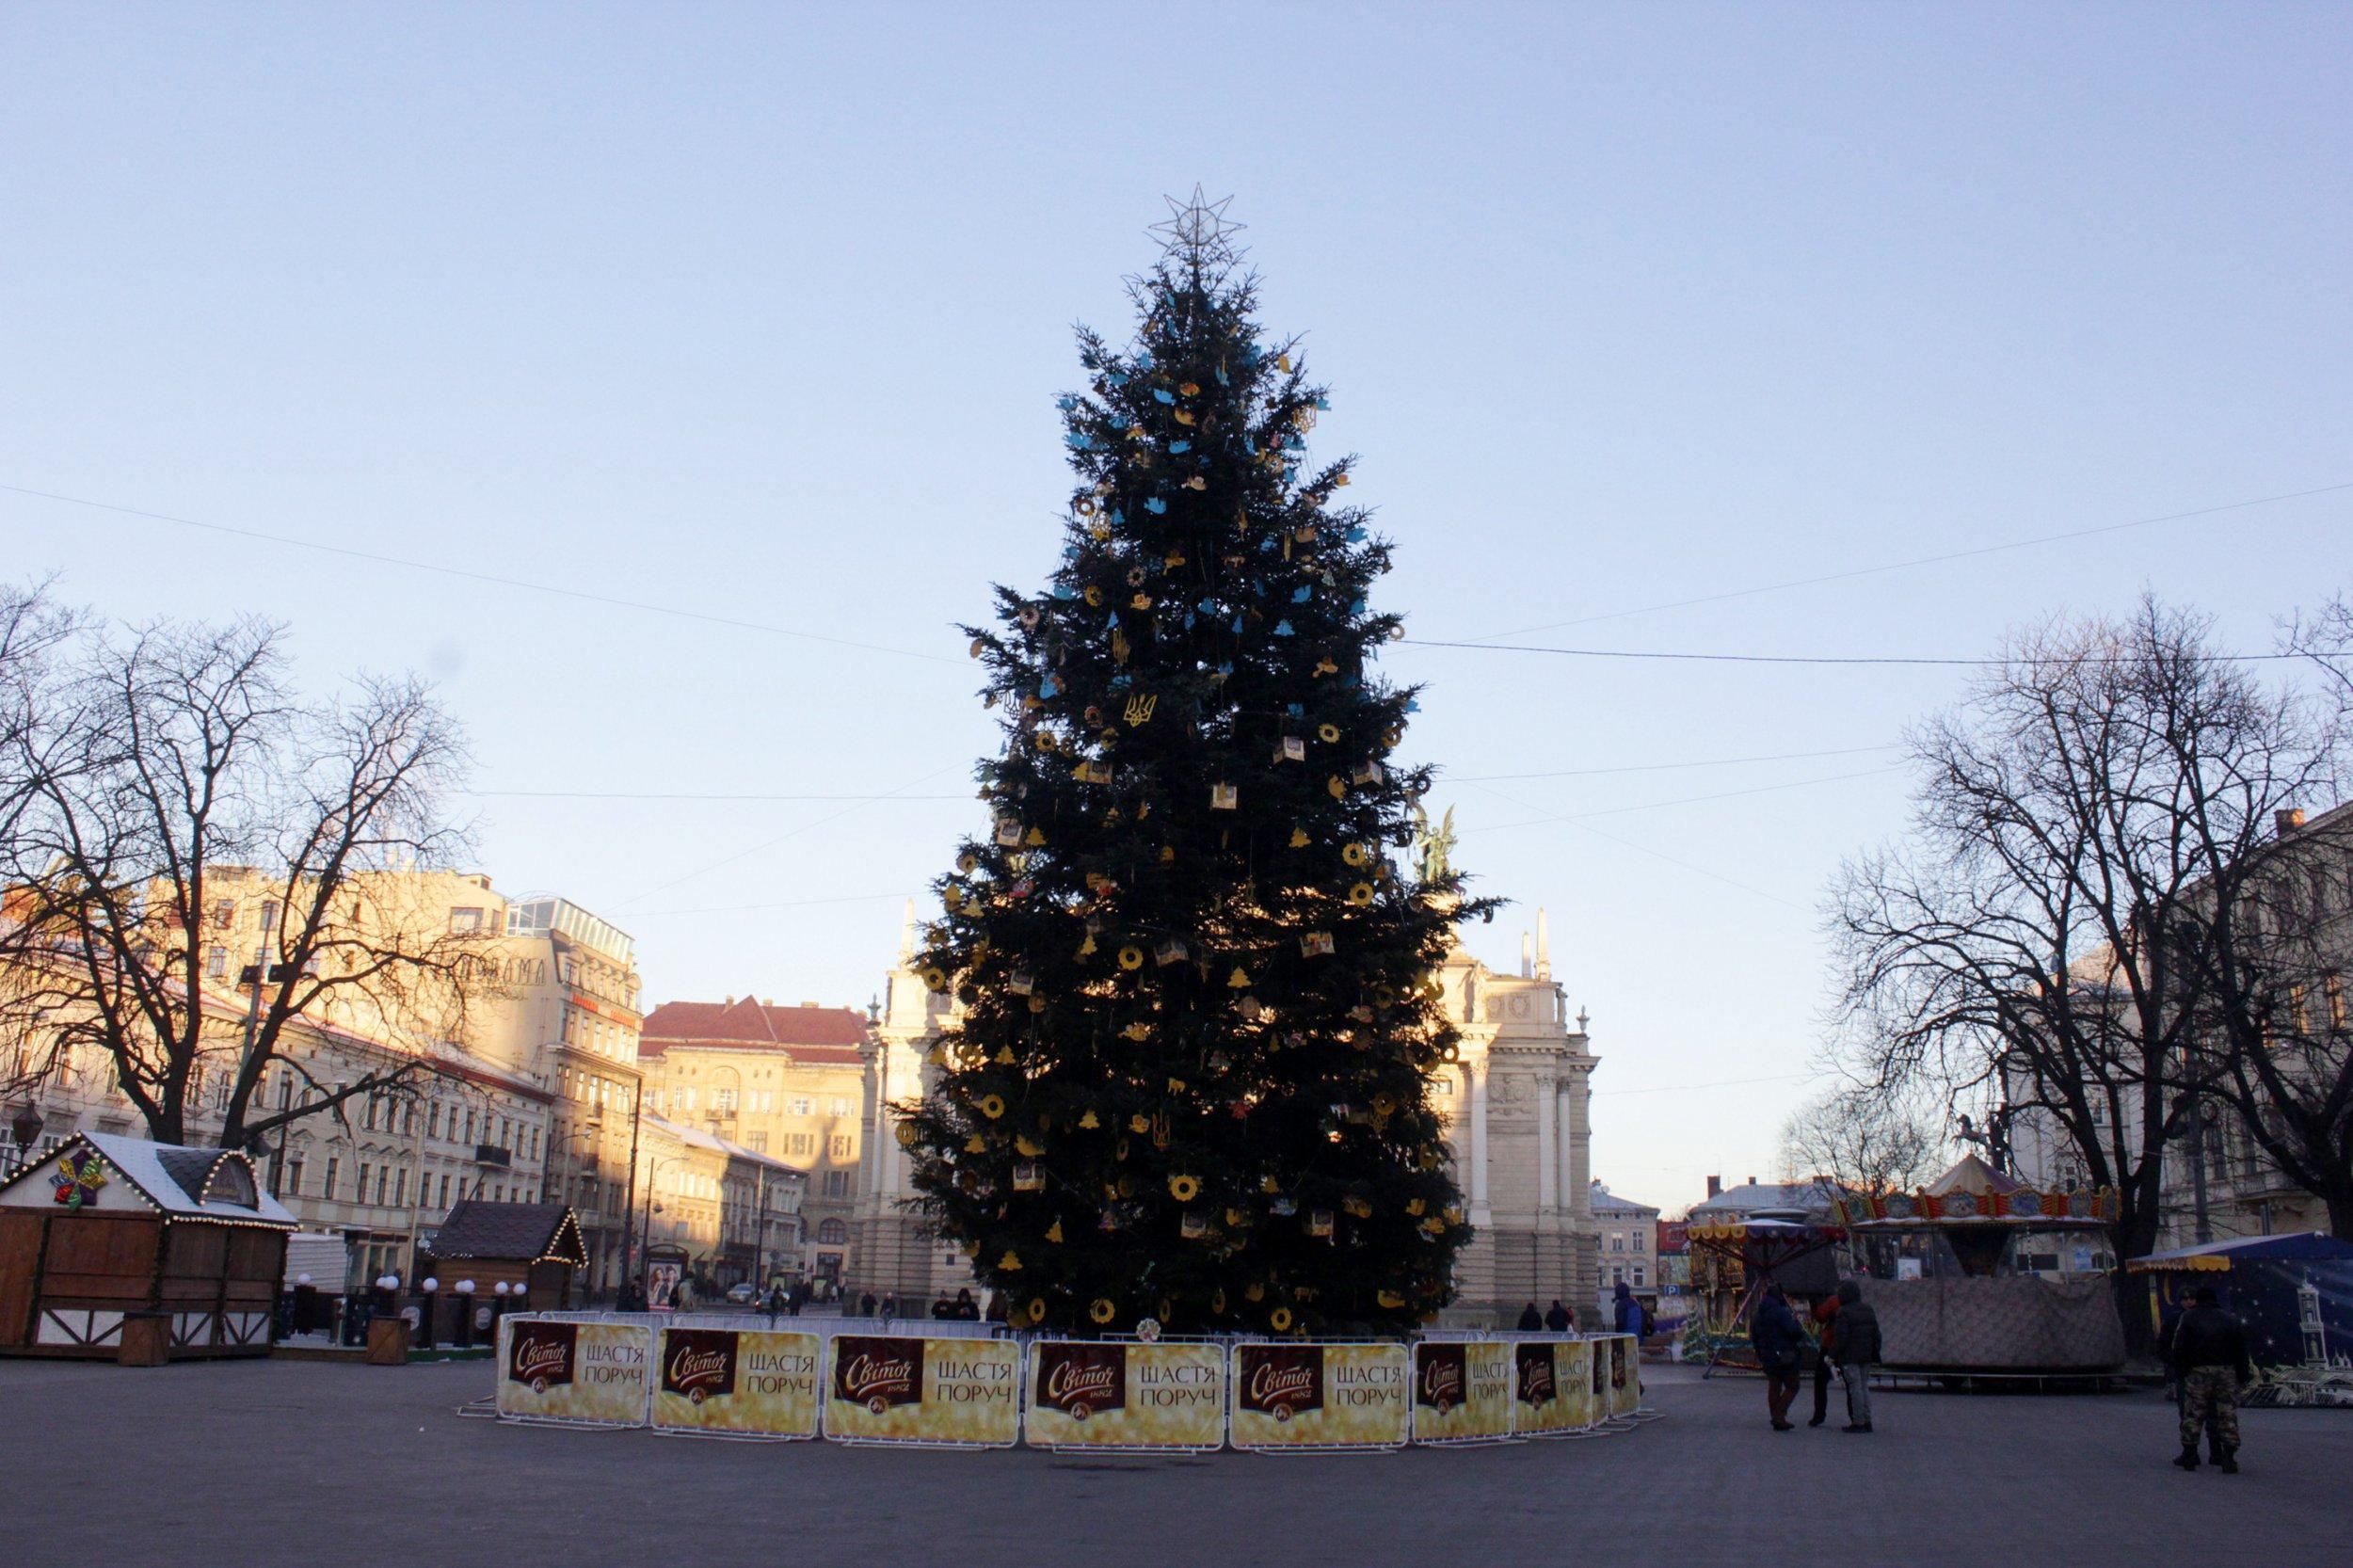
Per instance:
x=1477, y=1071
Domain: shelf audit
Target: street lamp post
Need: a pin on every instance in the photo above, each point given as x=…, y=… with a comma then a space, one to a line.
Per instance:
x=27, y=1125
x=629, y=1198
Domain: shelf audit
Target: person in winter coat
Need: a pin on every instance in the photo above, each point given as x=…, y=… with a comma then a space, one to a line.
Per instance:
x=1532, y=1320
x=1558, y=1320
x=2208, y=1352
x=1857, y=1352
x=1626, y=1311
x=1826, y=1339
x=1780, y=1347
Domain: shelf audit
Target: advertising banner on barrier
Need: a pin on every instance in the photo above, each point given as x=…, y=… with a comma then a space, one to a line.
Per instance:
x=1462, y=1391
x=1084, y=1394
x=1625, y=1374
x=1573, y=1364
x=594, y=1373
x=737, y=1381
x=1295, y=1396
x=893, y=1388
x=1549, y=1392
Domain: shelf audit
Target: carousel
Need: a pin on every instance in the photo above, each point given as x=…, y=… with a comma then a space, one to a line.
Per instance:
x=1978, y=1276
x=1733, y=1263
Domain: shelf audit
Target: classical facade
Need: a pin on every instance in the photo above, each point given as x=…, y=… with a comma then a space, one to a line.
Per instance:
x=1515, y=1105
x=534, y=1097
x=783, y=1082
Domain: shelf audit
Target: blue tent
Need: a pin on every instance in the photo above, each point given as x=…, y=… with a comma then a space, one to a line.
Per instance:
x=2295, y=1293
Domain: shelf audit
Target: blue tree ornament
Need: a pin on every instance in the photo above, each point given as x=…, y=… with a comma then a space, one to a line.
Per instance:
x=1155, y=505
x=1162, y=395
x=1283, y=629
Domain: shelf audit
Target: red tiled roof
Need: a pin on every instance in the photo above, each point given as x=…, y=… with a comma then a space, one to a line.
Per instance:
x=809, y=1033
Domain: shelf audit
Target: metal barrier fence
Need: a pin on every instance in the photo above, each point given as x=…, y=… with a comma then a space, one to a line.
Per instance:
x=971, y=1385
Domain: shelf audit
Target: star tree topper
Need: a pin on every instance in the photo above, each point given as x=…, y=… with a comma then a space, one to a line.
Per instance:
x=1197, y=224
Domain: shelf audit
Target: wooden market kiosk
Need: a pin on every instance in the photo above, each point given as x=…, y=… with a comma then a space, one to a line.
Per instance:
x=109, y=1241
x=533, y=1248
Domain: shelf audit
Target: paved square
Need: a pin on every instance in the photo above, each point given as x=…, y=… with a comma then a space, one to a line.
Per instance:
x=304, y=1462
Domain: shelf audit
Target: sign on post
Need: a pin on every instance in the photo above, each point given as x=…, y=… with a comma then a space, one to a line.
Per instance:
x=1625, y=1393
x=1085, y=1394
x=741, y=1382
x=895, y=1388
x=1552, y=1387
x=1462, y=1391
x=1295, y=1396
x=591, y=1374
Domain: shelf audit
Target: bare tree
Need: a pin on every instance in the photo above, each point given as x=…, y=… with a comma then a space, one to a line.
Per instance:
x=2325, y=638
x=2273, y=1047
x=2071, y=814
x=1865, y=1140
x=182, y=798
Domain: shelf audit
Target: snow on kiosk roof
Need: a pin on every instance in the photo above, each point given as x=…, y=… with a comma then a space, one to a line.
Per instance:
x=176, y=1180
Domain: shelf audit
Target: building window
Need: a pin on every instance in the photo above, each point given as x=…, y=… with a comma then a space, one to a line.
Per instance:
x=1638, y=1276
x=1617, y=1241
x=2332, y=990
x=465, y=920
x=756, y=1142
x=837, y=1184
x=837, y=1146
x=216, y=962
x=801, y=1106
x=327, y=1186
x=802, y=1143
x=400, y=1188
x=294, y=1178
x=444, y=1188
x=832, y=1233
x=433, y=1120
x=360, y=1193
x=840, y=1105
x=383, y=1179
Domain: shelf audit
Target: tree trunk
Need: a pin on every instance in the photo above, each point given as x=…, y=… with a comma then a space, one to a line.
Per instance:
x=2340, y=1200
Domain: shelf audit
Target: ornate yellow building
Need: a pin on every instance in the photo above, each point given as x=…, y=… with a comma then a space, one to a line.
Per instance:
x=782, y=1081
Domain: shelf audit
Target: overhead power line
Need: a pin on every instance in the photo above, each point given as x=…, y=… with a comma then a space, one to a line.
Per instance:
x=1817, y=659
x=1919, y=561
x=494, y=578
x=1661, y=767
x=721, y=797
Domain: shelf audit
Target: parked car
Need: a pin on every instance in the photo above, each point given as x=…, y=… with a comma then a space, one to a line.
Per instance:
x=742, y=1292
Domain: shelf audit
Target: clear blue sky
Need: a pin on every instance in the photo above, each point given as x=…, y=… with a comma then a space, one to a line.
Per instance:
x=759, y=313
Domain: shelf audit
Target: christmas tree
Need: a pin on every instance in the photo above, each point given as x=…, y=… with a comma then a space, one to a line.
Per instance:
x=1190, y=1080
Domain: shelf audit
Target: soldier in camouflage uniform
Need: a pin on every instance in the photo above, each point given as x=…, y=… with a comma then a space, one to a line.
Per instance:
x=2208, y=1351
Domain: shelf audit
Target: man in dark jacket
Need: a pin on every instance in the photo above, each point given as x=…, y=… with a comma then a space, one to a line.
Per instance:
x=1857, y=1351
x=2209, y=1354
x=1780, y=1347
x=1558, y=1320
x=1626, y=1311
x=1532, y=1320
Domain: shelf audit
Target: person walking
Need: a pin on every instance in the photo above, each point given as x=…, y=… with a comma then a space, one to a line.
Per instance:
x=1532, y=1320
x=1626, y=1311
x=1558, y=1320
x=1779, y=1341
x=1858, y=1352
x=775, y=1304
x=2211, y=1360
x=1826, y=1345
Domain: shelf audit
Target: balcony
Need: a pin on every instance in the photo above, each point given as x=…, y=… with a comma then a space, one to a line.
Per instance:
x=494, y=1155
